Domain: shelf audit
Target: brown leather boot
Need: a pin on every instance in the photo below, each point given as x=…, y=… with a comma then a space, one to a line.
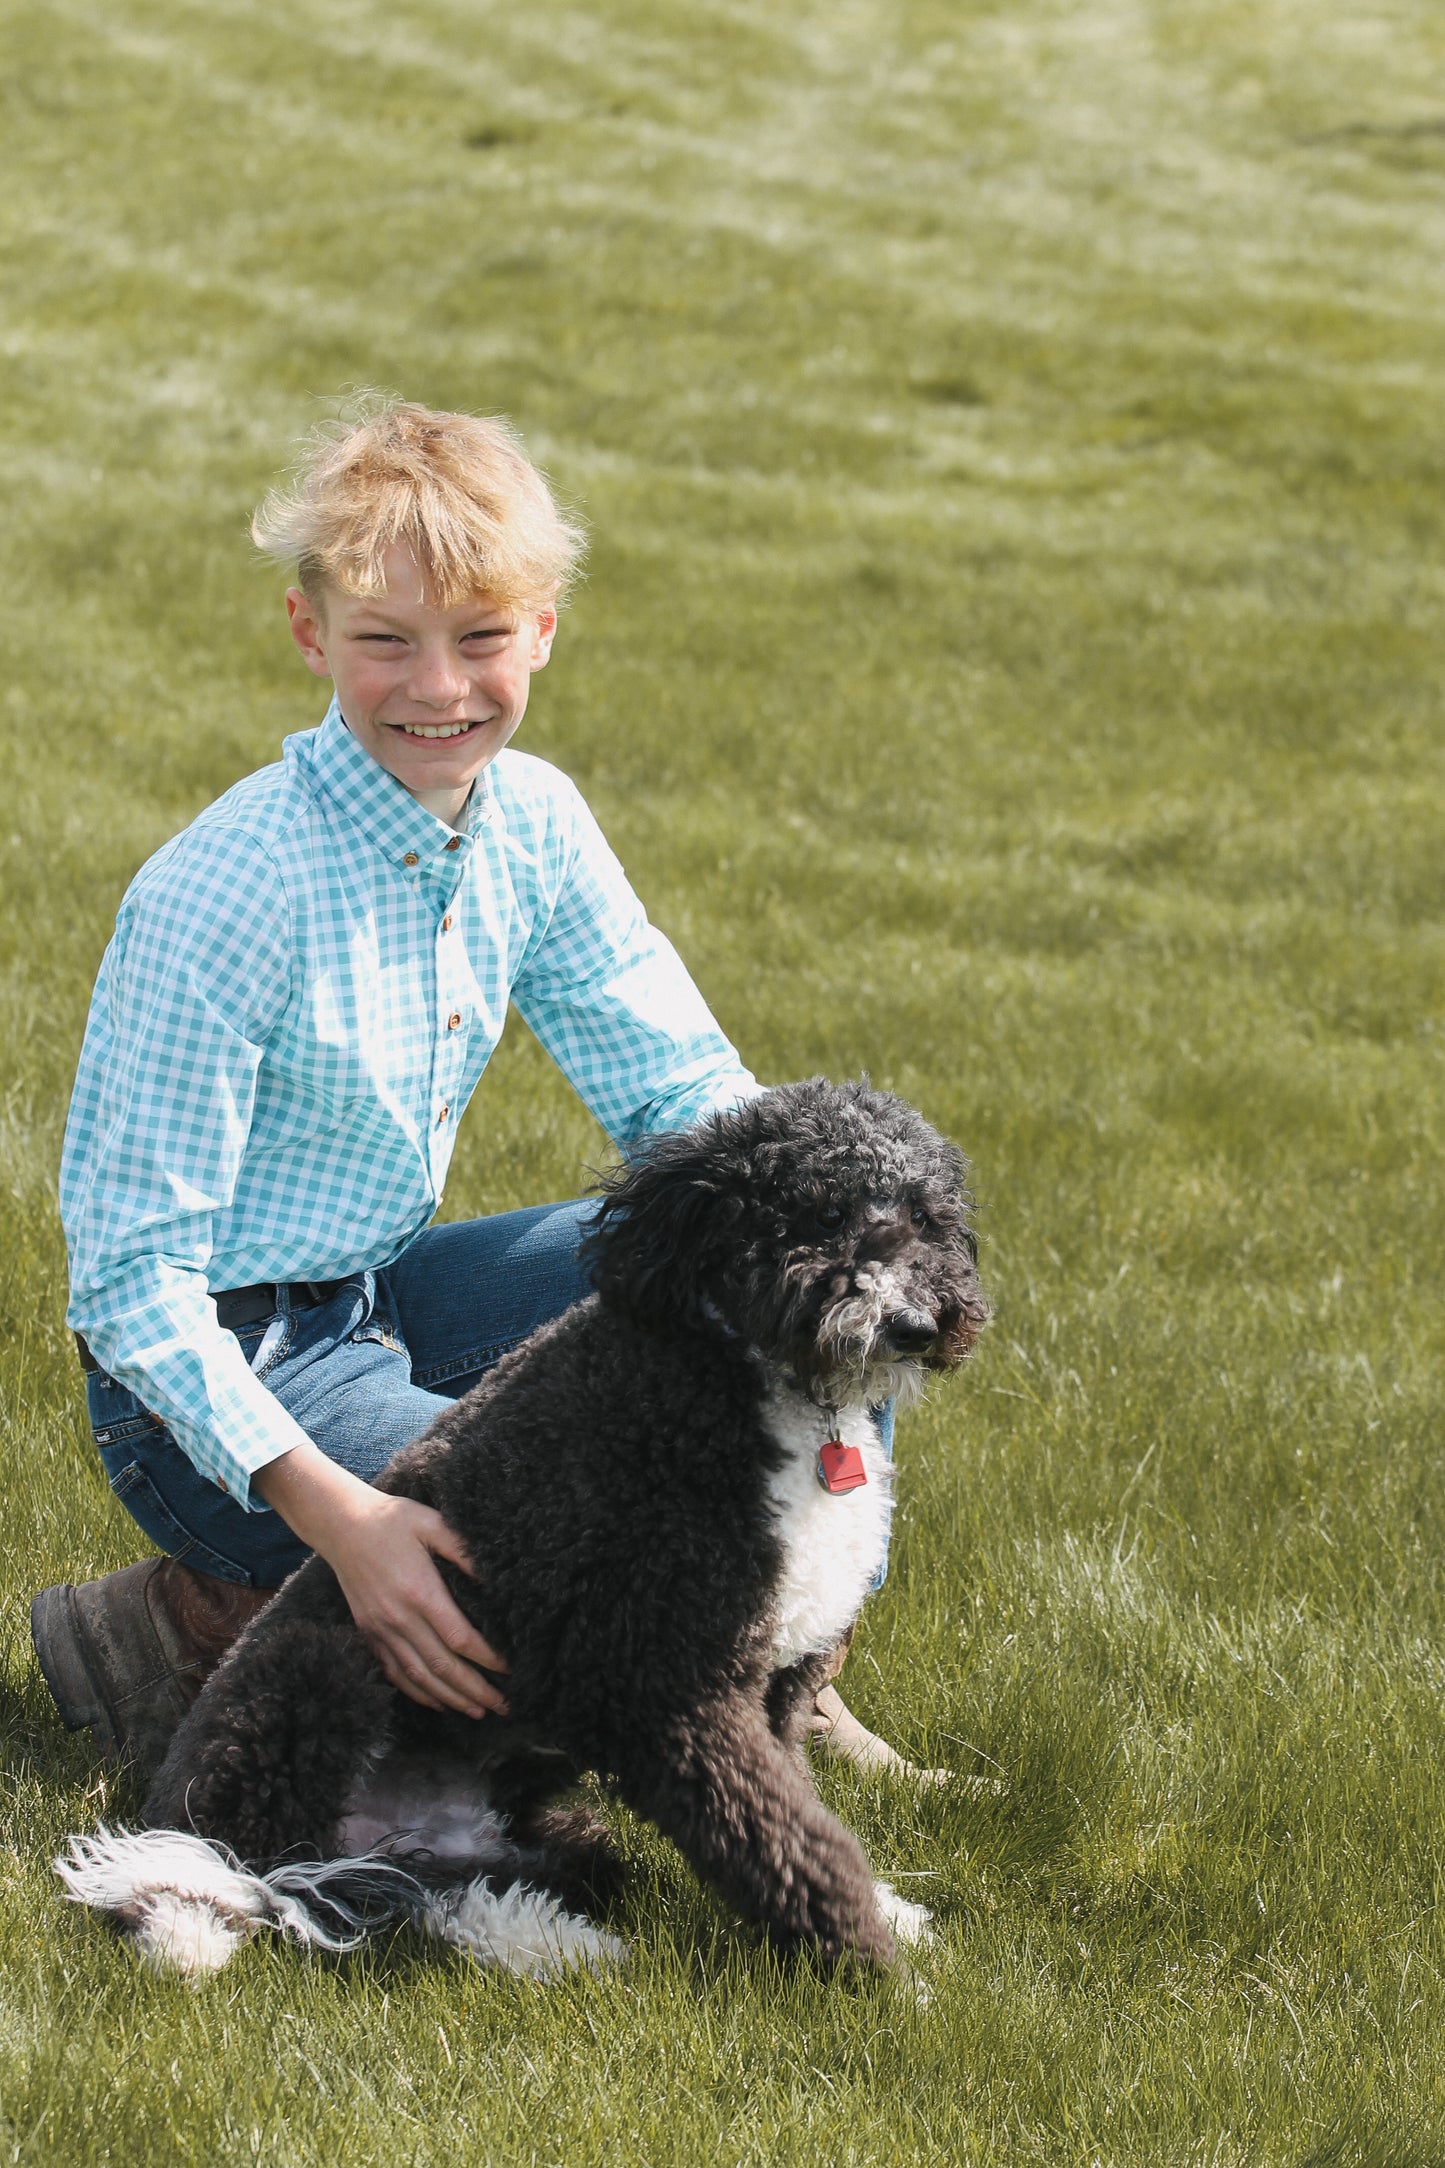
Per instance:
x=127, y=1655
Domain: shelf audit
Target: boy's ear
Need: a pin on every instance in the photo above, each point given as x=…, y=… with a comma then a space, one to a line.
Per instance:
x=544, y=631
x=306, y=631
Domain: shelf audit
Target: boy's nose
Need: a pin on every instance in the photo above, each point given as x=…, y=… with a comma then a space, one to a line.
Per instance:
x=438, y=681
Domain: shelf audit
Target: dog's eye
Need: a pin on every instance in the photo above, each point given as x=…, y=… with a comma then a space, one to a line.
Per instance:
x=918, y=1216
x=830, y=1217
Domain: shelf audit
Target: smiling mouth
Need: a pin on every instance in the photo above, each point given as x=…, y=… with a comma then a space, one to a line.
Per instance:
x=435, y=730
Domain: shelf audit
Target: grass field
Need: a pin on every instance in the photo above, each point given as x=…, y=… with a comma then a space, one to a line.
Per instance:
x=1010, y=663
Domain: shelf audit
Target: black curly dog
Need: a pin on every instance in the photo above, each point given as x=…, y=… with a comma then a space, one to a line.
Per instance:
x=640, y=1488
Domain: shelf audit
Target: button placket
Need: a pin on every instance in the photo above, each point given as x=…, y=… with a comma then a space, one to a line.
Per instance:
x=450, y=1038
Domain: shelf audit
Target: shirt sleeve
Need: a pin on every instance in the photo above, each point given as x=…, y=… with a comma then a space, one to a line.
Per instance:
x=198, y=975
x=609, y=998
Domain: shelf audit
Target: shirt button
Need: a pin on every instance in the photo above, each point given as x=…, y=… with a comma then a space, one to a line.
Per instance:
x=454, y=1019
x=447, y=923
x=455, y=844
x=442, y=1116
x=410, y=859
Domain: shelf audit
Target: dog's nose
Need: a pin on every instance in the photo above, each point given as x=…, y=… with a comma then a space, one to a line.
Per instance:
x=911, y=1331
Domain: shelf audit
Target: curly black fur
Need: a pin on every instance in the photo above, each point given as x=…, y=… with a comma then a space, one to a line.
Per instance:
x=610, y=1480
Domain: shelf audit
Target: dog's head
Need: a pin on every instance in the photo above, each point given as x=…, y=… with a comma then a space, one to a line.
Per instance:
x=825, y=1225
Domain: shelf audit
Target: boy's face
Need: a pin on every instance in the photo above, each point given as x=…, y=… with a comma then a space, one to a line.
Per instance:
x=433, y=694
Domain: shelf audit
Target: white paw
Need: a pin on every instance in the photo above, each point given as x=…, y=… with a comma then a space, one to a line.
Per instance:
x=911, y=1923
x=520, y=1930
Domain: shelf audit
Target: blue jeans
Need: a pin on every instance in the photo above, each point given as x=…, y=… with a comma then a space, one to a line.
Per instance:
x=363, y=1374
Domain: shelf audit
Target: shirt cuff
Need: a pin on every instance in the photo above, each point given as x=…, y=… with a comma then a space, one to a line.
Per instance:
x=236, y=1461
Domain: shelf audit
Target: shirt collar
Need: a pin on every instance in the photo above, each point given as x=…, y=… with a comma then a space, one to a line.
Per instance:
x=359, y=788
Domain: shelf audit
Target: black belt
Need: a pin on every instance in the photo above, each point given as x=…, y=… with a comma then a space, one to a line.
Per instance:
x=237, y=1307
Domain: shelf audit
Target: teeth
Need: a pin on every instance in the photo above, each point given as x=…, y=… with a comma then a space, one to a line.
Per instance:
x=435, y=730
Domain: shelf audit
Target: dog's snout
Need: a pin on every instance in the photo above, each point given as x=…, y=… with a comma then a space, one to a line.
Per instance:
x=911, y=1331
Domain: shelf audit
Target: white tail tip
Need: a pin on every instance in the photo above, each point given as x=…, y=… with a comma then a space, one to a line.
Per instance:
x=186, y=1903
x=189, y=1904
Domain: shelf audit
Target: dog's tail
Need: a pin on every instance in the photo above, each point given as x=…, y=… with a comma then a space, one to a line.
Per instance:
x=189, y=1904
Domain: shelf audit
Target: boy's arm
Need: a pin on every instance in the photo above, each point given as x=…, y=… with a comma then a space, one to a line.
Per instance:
x=196, y=979
x=611, y=1000
x=198, y=975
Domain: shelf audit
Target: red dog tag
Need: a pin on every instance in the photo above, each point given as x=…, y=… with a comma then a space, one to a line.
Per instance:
x=840, y=1467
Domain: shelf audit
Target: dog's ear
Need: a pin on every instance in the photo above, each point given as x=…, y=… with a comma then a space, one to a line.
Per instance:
x=661, y=1233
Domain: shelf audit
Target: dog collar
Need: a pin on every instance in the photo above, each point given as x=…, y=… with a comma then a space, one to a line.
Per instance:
x=840, y=1466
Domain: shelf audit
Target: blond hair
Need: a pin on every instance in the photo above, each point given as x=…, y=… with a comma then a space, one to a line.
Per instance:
x=456, y=490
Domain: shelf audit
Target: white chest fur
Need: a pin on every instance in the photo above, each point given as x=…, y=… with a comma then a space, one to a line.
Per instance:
x=833, y=1544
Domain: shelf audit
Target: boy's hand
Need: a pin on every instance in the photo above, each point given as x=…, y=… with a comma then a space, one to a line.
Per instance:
x=424, y=1644
x=382, y=1551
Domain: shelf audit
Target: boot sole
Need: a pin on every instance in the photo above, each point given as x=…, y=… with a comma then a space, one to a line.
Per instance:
x=60, y=1647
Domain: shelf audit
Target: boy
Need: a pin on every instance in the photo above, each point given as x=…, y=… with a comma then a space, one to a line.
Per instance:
x=303, y=990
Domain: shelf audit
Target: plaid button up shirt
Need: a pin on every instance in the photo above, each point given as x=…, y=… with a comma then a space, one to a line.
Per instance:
x=303, y=990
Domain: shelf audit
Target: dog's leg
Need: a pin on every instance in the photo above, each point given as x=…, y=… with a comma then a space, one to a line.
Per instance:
x=740, y=1807
x=259, y=1768
x=570, y=1852
x=524, y=1911
x=269, y=1754
x=790, y=1698
x=791, y=1701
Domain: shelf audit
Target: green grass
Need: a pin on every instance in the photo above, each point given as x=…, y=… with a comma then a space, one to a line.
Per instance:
x=1010, y=663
